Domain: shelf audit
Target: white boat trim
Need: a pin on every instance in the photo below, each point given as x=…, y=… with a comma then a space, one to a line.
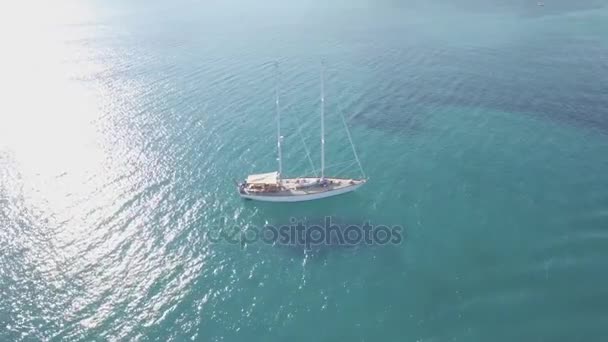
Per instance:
x=301, y=197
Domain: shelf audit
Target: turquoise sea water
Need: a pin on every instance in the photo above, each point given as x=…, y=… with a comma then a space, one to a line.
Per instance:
x=483, y=127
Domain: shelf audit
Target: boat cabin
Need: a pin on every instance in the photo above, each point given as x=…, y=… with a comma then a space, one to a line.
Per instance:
x=264, y=182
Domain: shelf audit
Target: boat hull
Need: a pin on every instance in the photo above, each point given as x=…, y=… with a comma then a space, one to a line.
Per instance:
x=301, y=197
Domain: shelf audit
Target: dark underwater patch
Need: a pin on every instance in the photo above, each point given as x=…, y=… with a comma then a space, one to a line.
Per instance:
x=318, y=236
x=558, y=78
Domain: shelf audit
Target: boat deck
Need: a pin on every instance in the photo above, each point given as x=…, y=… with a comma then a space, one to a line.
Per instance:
x=307, y=186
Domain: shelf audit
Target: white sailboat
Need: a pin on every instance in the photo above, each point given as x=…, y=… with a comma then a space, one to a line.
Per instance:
x=273, y=187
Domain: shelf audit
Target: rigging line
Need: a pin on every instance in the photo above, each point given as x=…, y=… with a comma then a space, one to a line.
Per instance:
x=350, y=139
x=312, y=165
x=340, y=164
x=322, y=119
x=278, y=114
x=346, y=168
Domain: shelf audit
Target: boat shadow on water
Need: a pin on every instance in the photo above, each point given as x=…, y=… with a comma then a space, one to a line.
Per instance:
x=317, y=229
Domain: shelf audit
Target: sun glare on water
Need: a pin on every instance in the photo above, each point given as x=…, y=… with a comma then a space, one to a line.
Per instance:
x=56, y=182
x=47, y=126
x=77, y=191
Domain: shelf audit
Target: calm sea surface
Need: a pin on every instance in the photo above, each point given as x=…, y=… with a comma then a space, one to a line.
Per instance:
x=482, y=125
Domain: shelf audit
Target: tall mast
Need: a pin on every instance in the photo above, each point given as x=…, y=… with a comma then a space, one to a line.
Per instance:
x=278, y=120
x=322, y=120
